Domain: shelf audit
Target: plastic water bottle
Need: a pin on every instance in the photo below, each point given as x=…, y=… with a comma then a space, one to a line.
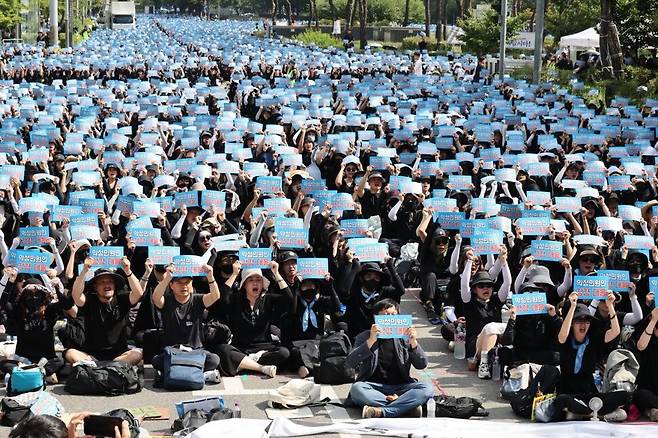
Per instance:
x=495, y=372
x=460, y=342
x=598, y=380
x=237, y=412
x=431, y=408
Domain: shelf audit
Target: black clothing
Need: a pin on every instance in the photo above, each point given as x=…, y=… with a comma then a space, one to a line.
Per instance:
x=105, y=324
x=182, y=321
x=387, y=372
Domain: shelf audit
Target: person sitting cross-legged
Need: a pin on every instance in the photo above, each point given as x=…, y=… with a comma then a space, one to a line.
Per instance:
x=384, y=387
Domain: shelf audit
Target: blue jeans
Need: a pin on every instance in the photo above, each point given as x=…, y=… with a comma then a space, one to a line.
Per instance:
x=410, y=396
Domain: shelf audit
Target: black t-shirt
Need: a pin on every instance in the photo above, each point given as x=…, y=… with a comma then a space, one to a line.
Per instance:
x=647, y=378
x=373, y=205
x=583, y=381
x=182, y=322
x=105, y=323
x=479, y=314
x=36, y=338
x=387, y=371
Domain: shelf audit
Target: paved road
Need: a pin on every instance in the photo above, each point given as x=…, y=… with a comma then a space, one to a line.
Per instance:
x=250, y=391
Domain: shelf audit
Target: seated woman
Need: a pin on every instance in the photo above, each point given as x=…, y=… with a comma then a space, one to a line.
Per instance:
x=36, y=314
x=250, y=312
x=582, y=340
x=315, y=299
x=646, y=394
x=482, y=309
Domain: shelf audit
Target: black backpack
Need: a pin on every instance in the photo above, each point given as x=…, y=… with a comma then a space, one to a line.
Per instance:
x=458, y=407
x=333, y=350
x=127, y=416
x=195, y=418
x=108, y=378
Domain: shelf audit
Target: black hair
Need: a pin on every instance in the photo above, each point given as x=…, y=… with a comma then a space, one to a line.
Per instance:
x=40, y=426
x=384, y=304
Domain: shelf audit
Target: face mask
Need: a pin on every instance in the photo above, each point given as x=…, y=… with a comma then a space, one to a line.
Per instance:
x=308, y=294
x=635, y=269
x=370, y=284
x=227, y=269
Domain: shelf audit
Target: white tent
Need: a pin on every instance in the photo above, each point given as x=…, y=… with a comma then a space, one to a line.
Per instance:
x=579, y=42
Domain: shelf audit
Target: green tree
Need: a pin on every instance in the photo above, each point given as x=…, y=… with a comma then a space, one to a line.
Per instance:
x=565, y=17
x=638, y=23
x=10, y=13
x=482, y=34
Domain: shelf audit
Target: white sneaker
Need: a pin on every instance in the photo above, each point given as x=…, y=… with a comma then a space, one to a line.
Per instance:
x=269, y=370
x=617, y=416
x=256, y=356
x=212, y=376
x=451, y=346
x=483, y=371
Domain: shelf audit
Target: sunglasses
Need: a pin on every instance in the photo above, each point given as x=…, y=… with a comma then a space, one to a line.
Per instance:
x=204, y=237
x=485, y=285
x=442, y=241
x=590, y=259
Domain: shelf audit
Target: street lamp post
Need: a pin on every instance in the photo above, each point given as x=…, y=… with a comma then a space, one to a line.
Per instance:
x=503, y=38
x=539, y=40
x=54, y=24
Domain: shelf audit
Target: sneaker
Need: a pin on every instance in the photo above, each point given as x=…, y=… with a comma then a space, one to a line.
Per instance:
x=371, y=412
x=451, y=346
x=51, y=379
x=303, y=372
x=616, y=416
x=431, y=313
x=212, y=376
x=653, y=414
x=483, y=371
x=256, y=356
x=269, y=370
x=417, y=412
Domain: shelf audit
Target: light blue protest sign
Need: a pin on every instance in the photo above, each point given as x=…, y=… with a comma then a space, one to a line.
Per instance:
x=618, y=280
x=567, y=204
x=163, y=255
x=370, y=252
x=92, y=205
x=186, y=199
x=471, y=227
x=252, y=258
x=293, y=238
x=312, y=268
x=393, y=326
x=591, y=287
x=89, y=219
x=547, y=250
x=460, y=182
x=653, y=288
x=142, y=208
x=619, y=182
x=188, y=266
x=269, y=184
x=533, y=226
x=277, y=206
x=538, y=169
x=80, y=232
x=213, y=199
x=34, y=236
x=638, y=242
x=106, y=257
x=30, y=261
x=533, y=303
x=486, y=243
x=313, y=185
x=342, y=202
x=146, y=236
x=60, y=212
x=354, y=227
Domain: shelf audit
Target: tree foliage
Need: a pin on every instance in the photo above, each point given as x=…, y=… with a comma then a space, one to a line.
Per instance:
x=638, y=23
x=482, y=34
x=10, y=13
x=566, y=17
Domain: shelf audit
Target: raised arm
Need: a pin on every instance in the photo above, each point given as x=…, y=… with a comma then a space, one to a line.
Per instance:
x=454, y=257
x=614, y=329
x=647, y=334
x=158, y=294
x=136, y=290
x=566, y=323
x=79, y=283
x=466, y=278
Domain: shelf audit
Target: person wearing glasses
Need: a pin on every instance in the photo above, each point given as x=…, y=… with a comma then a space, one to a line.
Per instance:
x=482, y=309
x=582, y=340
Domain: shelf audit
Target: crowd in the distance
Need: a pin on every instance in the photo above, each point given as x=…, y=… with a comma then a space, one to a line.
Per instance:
x=196, y=137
